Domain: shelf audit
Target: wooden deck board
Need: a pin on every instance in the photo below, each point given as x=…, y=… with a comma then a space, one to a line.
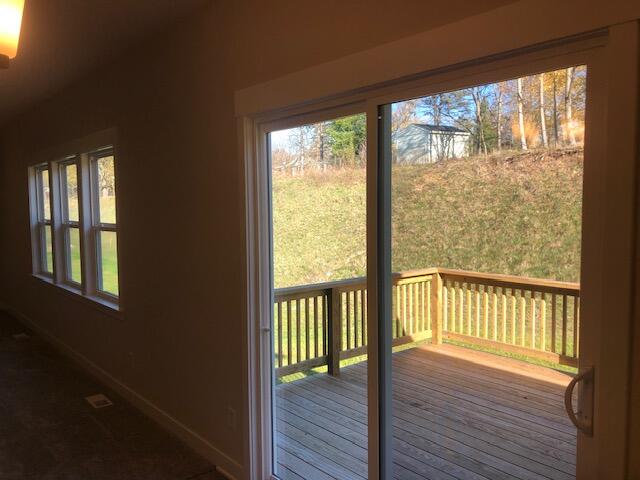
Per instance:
x=458, y=414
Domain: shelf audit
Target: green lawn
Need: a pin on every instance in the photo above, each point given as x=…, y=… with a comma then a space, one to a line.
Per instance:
x=518, y=215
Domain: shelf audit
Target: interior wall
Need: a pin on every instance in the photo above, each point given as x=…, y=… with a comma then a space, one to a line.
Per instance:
x=179, y=342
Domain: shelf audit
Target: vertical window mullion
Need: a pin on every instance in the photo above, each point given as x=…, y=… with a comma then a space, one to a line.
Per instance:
x=37, y=238
x=42, y=248
x=69, y=169
x=85, y=225
x=57, y=234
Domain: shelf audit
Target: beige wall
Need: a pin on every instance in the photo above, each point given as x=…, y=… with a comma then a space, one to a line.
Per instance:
x=179, y=343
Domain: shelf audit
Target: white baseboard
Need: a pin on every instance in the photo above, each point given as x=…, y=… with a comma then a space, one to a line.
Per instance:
x=225, y=465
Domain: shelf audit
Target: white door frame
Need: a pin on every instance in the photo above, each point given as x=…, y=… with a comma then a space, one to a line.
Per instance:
x=608, y=208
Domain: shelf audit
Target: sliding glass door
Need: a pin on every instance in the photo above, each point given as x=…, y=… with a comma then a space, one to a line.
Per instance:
x=434, y=294
x=319, y=324
x=486, y=220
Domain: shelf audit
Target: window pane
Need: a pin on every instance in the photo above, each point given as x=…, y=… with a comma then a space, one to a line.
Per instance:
x=106, y=190
x=319, y=229
x=486, y=180
x=108, y=258
x=48, y=250
x=73, y=255
x=70, y=179
x=44, y=195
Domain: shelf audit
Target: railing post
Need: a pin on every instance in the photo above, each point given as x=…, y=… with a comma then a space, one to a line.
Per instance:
x=436, y=308
x=334, y=332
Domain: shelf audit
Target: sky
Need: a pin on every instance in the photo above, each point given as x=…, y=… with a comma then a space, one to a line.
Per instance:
x=280, y=138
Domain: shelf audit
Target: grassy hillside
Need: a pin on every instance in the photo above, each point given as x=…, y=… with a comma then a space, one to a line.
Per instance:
x=512, y=213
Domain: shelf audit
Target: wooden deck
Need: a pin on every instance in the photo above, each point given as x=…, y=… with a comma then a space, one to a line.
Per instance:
x=458, y=414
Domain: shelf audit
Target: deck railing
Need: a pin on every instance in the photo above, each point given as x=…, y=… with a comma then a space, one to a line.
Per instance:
x=321, y=324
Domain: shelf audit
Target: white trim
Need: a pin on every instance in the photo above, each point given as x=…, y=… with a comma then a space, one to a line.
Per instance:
x=523, y=24
x=164, y=419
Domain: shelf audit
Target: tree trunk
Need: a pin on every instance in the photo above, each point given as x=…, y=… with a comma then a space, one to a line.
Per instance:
x=301, y=151
x=482, y=143
x=523, y=138
x=568, y=108
x=555, y=110
x=543, y=120
x=499, y=117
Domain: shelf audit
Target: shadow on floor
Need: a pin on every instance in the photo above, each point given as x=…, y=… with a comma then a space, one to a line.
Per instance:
x=49, y=432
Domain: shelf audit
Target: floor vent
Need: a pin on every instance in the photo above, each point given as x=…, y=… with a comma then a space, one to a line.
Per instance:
x=98, y=401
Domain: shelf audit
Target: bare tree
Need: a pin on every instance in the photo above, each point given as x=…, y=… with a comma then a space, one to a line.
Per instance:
x=477, y=95
x=555, y=109
x=543, y=120
x=404, y=114
x=523, y=138
x=568, y=108
x=499, y=115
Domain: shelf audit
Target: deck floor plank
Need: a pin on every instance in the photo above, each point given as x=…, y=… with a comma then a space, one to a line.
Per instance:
x=458, y=414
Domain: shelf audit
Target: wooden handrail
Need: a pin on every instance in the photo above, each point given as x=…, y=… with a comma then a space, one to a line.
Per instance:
x=507, y=280
x=511, y=281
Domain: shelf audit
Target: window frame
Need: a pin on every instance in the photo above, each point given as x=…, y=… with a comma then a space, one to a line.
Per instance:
x=66, y=224
x=88, y=225
x=98, y=227
x=39, y=222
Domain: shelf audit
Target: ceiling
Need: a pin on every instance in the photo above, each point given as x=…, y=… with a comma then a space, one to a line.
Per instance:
x=63, y=39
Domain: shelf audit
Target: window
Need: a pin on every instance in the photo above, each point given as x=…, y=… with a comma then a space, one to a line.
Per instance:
x=44, y=254
x=104, y=221
x=74, y=224
x=71, y=221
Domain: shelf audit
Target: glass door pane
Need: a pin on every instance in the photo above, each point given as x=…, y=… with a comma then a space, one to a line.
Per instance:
x=486, y=241
x=319, y=341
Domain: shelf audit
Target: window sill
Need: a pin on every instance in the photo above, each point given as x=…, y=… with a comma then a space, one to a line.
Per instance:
x=101, y=304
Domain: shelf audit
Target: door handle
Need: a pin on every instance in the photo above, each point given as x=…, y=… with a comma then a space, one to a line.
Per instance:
x=583, y=419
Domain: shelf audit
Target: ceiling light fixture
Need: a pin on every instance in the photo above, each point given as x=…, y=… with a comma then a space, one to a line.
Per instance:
x=10, y=22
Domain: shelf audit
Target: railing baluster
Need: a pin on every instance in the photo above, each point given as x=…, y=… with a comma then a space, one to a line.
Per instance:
x=348, y=319
x=315, y=326
x=454, y=318
x=326, y=305
x=410, y=319
x=504, y=314
x=428, y=325
x=416, y=307
x=468, y=309
x=356, y=320
x=494, y=334
x=279, y=334
x=513, y=316
x=307, y=328
x=397, y=329
x=564, y=325
x=477, y=291
x=523, y=317
x=364, y=317
x=543, y=322
x=423, y=304
x=298, y=330
x=533, y=319
x=485, y=300
x=576, y=317
x=445, y=305
x=554, y=324
x=461, y=310
x=289, y=333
